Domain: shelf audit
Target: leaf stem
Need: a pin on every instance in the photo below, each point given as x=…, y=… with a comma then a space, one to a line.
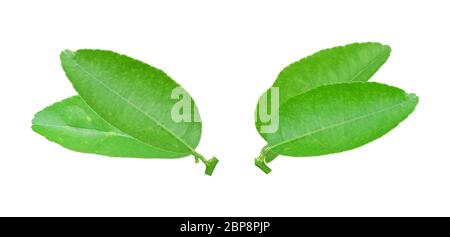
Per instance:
x=260, y=163
x=269, y=155
x=210, y=164
x=266, y=156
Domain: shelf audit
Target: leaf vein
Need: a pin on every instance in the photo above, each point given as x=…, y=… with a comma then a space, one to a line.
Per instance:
x=376, y=59
x=135, y=107
x=337, y=125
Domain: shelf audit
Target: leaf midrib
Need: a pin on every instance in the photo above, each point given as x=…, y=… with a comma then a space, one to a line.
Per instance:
x=271, y=147
x=365, y=68
x=133, y=106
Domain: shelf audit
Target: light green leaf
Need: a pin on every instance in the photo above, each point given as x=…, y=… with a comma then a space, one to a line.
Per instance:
x=336, y=118
x=135, y=98
x=73, y=125
x=350, y=63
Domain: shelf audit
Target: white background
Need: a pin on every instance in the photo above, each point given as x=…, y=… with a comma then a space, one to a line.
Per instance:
x=225, y=53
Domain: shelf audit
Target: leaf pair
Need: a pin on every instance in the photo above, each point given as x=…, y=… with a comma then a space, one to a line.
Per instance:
x=323, y=104
x=319, y=105
x=125, y=108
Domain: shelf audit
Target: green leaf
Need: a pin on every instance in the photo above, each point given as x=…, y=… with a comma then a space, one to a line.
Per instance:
x=134, y=97
x=336, y=118
x=73, y=125
x=350, y=63
x=355, y=62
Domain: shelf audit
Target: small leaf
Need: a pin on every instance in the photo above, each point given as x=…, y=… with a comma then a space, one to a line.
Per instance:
x=339, y=117
x=132, y=96
x=73, y=125
x=350, y=63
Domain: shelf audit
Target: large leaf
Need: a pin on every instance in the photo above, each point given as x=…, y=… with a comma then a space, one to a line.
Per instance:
x=350, y=63
x=73, y=125
x=339, y=117
x=135, y=98
x=355, y=62
x=336, y=118
x=132, y=96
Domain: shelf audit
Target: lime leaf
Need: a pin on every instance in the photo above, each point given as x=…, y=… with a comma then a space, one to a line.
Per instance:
x=132, y=96
x=356, y=62
x=336, y=118
x=350, y=63
x=73, y=125
x=138, y=100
